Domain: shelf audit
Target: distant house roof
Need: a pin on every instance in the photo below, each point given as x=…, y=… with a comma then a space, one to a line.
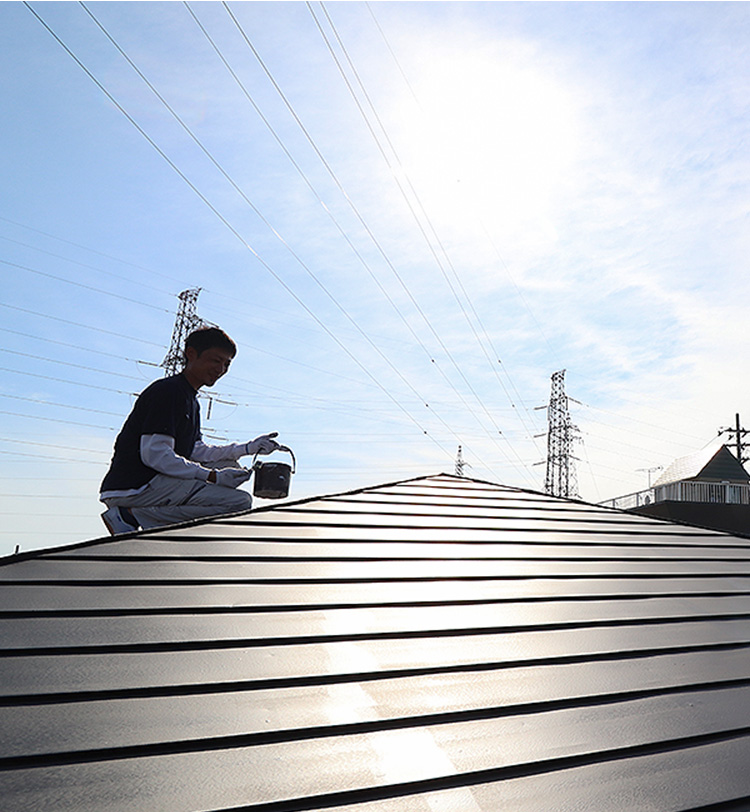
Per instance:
x=712, y=463
x=438, y=643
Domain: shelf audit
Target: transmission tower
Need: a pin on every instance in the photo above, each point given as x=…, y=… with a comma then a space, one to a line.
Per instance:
x=185, y=322
x=460, y=462
x=737, y=434
x=561, y=433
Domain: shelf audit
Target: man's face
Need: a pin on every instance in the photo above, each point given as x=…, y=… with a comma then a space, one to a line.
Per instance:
x=205, y=369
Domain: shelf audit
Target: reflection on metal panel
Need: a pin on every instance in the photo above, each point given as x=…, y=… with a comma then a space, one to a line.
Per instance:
x=435, y=644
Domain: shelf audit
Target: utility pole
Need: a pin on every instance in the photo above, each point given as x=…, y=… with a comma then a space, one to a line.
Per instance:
x=185, y=322
x=736, y=434
x=560, y=479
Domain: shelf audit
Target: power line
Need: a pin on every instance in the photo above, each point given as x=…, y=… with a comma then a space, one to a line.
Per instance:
x=83, y=264
x=302, y=174
x=26, y=442
x=367, y=229
x=71, y=346
x=150, y=271
x=310, y=186
x=196, y=191
x=82, y=285
x=413, y=212
x=413, y=190
x=434, y=232
x=390, y=50
x=661, y=429
x=57, y=405
x=78, y=324
x=68, y=364
x=58, y=420
x=50, y=458
x=63, y=380
x=314, y=402
x=120, y=357
x=213, y=208
x=128, y=280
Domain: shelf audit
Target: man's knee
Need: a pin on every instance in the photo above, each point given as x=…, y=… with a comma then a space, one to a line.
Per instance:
x=241, y=500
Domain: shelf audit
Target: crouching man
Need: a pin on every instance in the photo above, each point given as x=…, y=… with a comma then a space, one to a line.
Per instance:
x=161, y=470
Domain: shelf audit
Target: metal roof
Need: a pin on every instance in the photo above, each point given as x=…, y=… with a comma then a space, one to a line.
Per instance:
x=434, y=644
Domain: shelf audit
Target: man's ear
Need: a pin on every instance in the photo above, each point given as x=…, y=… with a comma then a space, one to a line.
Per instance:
x=190, y=354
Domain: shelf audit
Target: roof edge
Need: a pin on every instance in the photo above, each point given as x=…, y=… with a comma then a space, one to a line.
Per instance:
x=14, y=558
x=77, y=545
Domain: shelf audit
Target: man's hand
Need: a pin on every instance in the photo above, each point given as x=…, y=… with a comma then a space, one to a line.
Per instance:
x=229, y=477
x=264, y=444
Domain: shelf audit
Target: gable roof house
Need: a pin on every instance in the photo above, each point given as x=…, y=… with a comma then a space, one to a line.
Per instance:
x=709, y=488
x=440, y=643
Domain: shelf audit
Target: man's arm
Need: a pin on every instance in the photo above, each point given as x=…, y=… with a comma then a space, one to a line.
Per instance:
x=213, y=453
x=265, y=444
x=157, y=451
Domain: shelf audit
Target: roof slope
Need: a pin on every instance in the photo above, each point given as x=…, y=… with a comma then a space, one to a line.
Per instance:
x=435, y=644
x=710, y=463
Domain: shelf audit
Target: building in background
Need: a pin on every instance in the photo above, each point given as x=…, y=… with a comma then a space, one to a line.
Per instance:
x=709, y=488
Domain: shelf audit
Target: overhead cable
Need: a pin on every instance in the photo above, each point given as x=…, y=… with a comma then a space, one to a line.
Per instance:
x=69, y=364
x=57, y=405
x=369, y=232
x=231, y=228
x=226, y=175
x=84, y=265
x=78, y=324
x=74, y=347
x=57, y=420
x=408, y=202
x=264, y=220
x=82, y=285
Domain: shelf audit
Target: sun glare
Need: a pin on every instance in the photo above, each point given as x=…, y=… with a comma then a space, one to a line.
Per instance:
x=490, y=137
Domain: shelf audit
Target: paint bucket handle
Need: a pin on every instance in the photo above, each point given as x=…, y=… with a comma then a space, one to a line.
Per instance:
x=256, y=463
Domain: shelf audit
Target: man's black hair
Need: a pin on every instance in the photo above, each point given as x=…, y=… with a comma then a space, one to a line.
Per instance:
x=208, y=338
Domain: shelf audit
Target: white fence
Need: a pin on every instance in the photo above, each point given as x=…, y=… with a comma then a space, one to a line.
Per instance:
x=722, y=493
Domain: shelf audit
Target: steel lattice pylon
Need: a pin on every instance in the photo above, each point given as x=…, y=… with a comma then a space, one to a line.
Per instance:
x=185, y=322
x=460, y=462
x=561, y=477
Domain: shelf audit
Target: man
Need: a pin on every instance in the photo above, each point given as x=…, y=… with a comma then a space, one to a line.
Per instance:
x=161, y=471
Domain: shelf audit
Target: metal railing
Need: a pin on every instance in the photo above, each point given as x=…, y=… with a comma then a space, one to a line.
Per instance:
x=721, y=493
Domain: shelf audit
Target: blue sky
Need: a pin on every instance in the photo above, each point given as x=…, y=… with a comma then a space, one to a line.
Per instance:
x=405, y=253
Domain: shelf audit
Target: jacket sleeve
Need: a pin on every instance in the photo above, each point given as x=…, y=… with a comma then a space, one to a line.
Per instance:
x=157, y=451
x=214, y=453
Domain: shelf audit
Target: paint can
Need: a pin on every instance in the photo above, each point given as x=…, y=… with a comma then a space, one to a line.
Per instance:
x=272, y=479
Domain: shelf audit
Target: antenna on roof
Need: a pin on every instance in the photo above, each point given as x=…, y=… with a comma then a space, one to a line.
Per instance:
x=560, y=479
x=652, y=470
x=185, y=322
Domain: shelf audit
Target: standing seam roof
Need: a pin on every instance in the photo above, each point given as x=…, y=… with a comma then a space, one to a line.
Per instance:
x=435, y=644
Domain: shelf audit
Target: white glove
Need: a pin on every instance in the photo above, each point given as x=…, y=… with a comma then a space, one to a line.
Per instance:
x=232, y=477
x=264, y=444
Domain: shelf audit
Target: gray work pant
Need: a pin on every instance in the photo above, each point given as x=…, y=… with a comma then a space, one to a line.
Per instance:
x=167, y=500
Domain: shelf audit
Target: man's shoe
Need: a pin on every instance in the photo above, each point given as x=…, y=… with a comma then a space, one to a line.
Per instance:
x=119, y=520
